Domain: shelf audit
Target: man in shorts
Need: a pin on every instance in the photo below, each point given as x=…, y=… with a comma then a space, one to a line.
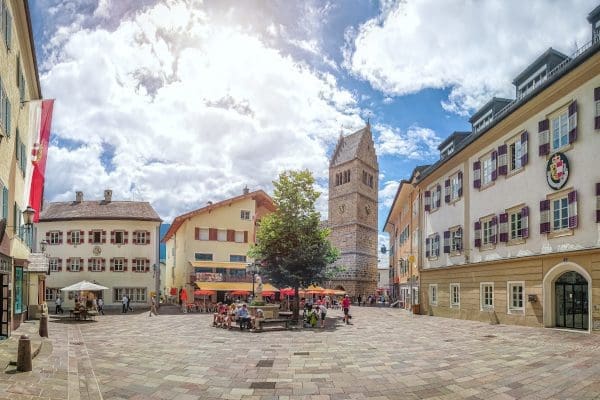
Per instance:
x=346, y=308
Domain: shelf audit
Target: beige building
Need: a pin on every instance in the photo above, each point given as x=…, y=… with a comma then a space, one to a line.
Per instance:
x=207, y=248
x=111, y=243
x=402, y=224
x=353, y=210
x=19, y=85
x=520, y=242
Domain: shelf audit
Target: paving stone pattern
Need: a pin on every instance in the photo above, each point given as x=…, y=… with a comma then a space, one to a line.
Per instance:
x=385, y=354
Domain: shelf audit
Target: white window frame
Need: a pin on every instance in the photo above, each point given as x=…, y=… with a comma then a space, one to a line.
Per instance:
x=54, y=237
x=239, y=236
x=433, y=294
x=453, y=240
x=139, y=265
x=75, y=237
x=94, y=232
x=559, y=121
x=433, y=254
x=434, y=198
x=515, y=159
x=221, y=235
x=53, y=264
x=141, y=237
x=486, y=170
x=52, y=293
x=486, y=232
x=563, y=210
x=95, y=265
x=482, y=298
x=204, y=234
x=119, y=264
x=135, y=294
x=454, y=187
x=454, y=304
x=245, y=215
x=75, y=264
x=122, y=237
x=515, y=218
x=509, y=298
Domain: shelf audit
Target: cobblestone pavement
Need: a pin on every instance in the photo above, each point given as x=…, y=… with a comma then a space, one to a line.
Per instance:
x=385, y=354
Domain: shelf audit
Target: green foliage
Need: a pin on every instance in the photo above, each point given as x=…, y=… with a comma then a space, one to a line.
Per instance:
x=293, y=248
x=257, y=303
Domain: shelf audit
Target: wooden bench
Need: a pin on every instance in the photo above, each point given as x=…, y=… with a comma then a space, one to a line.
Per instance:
x=284, y=322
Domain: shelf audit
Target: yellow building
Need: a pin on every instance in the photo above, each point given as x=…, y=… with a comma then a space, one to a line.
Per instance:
x=206, y=248
x=19, y=85
x=517, y=239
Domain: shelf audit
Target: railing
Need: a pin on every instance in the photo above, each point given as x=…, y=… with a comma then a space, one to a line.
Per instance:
x=224, y=278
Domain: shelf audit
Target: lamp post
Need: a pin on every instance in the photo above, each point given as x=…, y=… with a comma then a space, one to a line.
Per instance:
x=253, y=269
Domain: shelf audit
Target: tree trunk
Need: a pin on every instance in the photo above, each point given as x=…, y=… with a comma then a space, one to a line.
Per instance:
x=296, y=315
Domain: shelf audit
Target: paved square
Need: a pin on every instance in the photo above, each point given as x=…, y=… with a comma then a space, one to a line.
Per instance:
x=385, y=354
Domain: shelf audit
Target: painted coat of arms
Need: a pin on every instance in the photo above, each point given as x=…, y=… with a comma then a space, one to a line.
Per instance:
x=557, y=171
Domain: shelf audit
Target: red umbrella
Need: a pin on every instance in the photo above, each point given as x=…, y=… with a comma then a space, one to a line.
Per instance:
x=287, y=292
x=239, y=293
x=200, y=292
x=268, y=293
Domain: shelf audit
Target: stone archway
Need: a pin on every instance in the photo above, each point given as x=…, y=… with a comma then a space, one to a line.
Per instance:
x=549, y=291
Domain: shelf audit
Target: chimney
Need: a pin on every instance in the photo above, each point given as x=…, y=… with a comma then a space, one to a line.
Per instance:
x=246, y=190
x=107, y=196
x=78, y=197
x=209, y=203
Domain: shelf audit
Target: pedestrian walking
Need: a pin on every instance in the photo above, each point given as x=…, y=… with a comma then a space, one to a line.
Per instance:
x=153, y=306
x=128, y=305
x=125, y=300
x=346, y=308
x=359, y=299
x=58, y=303
x=323, y=314
x=100, y=306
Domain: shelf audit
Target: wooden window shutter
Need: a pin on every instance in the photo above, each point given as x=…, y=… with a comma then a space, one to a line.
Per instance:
x=230, y=235
x=438, y=202
x=59, y=264
x=112, y=237
x=460, y=183
x=459, y=242
x=47, y=234
x=68, y=268
x=69, y=241
x=427, y=200
x=147, y=265
x=103, y=236
x=112, y=264
x=525, y=222
x=502, y=160
x=90, y=236
x=427, y=250
x=147, y=237
x=447, y=242
x=124, y=265
x=545, y=216
x=135, y=237
x=494, y=224
x=573, y=121
x=125, y=237
x=89, y=265
x=477, y=232
x=81, y=237
x=573, y=219
x=245, y=236
x=60, y=237
x=494, y=165
x=503, y=227
x=436, y=245
x=597, y=101
x=477, y=174
x=103, y=264
x=447, y=190
x=544, y=137
x=197, y=233
x=524, y=146
x=212, y=234
x=598, y=202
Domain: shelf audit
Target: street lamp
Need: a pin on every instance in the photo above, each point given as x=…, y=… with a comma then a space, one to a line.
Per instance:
x=253, y=269
x=27, y=223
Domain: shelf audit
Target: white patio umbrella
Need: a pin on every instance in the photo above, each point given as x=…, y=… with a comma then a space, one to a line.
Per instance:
x=83, y=285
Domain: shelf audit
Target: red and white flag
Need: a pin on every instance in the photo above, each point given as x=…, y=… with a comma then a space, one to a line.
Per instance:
x=40, y=121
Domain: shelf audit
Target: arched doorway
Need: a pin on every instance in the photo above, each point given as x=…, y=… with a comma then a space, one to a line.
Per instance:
x=567, y=291
x=571, y=301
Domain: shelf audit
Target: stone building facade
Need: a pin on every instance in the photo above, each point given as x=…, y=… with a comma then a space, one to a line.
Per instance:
x=353, y=188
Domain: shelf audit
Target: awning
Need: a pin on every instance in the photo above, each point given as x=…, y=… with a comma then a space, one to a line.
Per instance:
x=218, y=264
x=231, y=286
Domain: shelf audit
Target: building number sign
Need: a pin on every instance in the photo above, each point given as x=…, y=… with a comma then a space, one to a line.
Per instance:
x=557, y=171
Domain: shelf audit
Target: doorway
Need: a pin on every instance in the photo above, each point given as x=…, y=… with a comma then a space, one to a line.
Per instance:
x=571, y=300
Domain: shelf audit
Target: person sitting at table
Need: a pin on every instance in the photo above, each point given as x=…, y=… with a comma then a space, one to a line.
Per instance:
x=244, y=317
x=217, y=314
x=230, y=315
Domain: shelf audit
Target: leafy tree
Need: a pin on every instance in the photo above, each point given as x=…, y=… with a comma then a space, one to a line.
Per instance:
x=291, y=245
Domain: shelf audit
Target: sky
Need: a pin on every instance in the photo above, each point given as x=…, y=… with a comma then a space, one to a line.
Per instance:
x=181, y=102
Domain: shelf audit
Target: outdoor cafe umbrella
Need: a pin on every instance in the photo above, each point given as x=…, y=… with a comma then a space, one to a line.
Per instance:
x=204, y=293
x=239, y=293
x=83, y=286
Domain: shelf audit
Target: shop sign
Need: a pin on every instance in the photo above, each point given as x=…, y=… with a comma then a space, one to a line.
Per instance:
x=557, y=171
x=209, y=277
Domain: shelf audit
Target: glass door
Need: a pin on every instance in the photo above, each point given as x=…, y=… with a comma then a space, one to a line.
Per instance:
x=571, y=301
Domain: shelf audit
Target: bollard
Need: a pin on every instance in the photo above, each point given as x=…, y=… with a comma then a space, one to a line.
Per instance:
x=24, y=354
x=44, y=325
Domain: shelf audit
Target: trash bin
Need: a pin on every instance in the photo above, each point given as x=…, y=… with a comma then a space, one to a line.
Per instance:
x=416, y=309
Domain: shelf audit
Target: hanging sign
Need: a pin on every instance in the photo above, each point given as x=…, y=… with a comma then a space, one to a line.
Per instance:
x=557, y=171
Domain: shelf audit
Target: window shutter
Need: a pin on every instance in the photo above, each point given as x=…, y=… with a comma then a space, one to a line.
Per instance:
x=447, y=242
x=477, y=174
x=8, y=116
x=503, y=227
x=147, y=237
x=69, y=241
x=124, y=265
x=59, y=264
x=68, y=268
x=459, y=242
x=212, y=234
x=447, y=191
x=60, y=237
x=103, y=264
x=427, y=200
x=112, y=237
x=525, y=222
x=5, y=205
x=436, y=245
x=112, y=264
x=544, y=216
x=597, y=100
x=460, y=183
x=573, y=220
x=8, y=29
x=197, y=233
x=494, y=165
x=598, y=202
x=89, y=265
x=438, y=202
x=103, y=236
x=125, y=237
x=147, y=265
x=135, y=237
x=544, y=137
x=230, y=235
x=477, y=232
x=245, y=236
x=494, y=224
x=524, y=145
x=427, y=252
x=573, y=121
x=502, y=160
x=90, y=236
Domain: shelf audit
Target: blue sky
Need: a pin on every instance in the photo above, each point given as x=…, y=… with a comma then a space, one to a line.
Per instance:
x=180, y=102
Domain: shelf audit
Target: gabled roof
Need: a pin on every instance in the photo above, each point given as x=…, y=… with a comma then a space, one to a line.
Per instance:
x=415, y=174
x=347, y=146
x=260, y=196
x=99, y=210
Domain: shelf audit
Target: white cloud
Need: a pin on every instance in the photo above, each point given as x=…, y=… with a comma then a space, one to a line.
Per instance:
x=388, y=193
x=474, y=48
x=417, y=143
x=195, y=110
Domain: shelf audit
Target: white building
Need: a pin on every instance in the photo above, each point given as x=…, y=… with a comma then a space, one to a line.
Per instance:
x=111, y=243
